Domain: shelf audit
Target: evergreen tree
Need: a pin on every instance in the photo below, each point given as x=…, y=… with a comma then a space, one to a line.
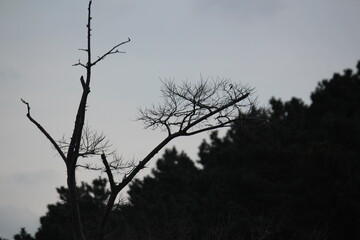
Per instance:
x=165, y=205
x=23, y=235
x=57, y=224
x=292, y=175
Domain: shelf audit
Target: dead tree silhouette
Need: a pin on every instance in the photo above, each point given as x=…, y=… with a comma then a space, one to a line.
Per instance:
x=187, y=109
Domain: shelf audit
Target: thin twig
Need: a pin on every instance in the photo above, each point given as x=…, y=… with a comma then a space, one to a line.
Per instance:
x=79, y=64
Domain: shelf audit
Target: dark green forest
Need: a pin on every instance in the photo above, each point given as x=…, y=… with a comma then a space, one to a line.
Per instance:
x=291, y=171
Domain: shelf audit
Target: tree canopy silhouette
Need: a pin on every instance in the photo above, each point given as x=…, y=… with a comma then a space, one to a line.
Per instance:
x=294, y=175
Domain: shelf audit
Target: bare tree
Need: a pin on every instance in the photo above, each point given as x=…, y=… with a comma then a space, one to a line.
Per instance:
x=186, y=110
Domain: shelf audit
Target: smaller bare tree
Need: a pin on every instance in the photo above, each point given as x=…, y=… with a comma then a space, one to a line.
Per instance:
x=187, y=109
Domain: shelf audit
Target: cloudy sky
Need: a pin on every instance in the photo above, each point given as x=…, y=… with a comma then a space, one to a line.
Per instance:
x=280, y=47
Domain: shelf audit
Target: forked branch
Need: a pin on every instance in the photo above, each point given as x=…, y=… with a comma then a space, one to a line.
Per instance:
x=90, y=63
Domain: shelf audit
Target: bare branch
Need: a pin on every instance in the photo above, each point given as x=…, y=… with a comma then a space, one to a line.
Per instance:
x=141, y=165
x=113, y=50
x=108, y=171
x=47, y=135
x=193, y=108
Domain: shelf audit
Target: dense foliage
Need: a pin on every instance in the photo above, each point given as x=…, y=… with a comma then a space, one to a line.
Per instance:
x=290, y=172
x=57, y=223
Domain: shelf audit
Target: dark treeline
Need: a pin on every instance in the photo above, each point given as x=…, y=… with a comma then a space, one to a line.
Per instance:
x=289, y=172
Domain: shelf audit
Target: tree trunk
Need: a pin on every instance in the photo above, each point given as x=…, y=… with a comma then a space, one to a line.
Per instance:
x=74, y=203
x=104, y=218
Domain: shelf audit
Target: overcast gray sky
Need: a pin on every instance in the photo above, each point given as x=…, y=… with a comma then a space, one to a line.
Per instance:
x=280, y=47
